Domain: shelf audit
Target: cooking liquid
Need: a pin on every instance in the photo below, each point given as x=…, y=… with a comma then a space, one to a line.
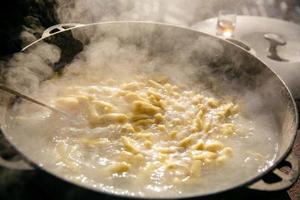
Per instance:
x=56, y=148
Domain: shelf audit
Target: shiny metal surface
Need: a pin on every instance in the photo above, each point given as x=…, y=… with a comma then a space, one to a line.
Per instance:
x=252, y=29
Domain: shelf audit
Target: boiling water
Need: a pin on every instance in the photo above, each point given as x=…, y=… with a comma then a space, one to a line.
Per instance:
x=51, y=141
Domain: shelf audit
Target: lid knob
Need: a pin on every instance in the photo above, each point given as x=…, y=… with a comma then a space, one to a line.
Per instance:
x=275, y=40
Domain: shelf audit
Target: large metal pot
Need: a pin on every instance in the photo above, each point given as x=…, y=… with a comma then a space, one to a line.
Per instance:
x=246, y=71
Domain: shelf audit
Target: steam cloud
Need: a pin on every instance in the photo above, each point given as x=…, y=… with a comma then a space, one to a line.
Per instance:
x=24, y=75
x=123, y=51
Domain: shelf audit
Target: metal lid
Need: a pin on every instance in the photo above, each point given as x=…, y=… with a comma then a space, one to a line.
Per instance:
x=275, y=41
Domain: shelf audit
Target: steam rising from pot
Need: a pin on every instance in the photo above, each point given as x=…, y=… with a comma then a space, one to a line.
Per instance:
x=21, y=72
x=180, y=12
x=117, y=52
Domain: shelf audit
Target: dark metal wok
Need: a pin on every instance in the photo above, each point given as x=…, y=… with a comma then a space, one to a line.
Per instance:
x=246, y=71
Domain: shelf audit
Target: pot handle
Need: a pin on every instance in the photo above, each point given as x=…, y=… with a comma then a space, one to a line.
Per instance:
x=16, y=164
x=59, y=28
x=285, y=181
x=242, y=45
x=52, y=30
